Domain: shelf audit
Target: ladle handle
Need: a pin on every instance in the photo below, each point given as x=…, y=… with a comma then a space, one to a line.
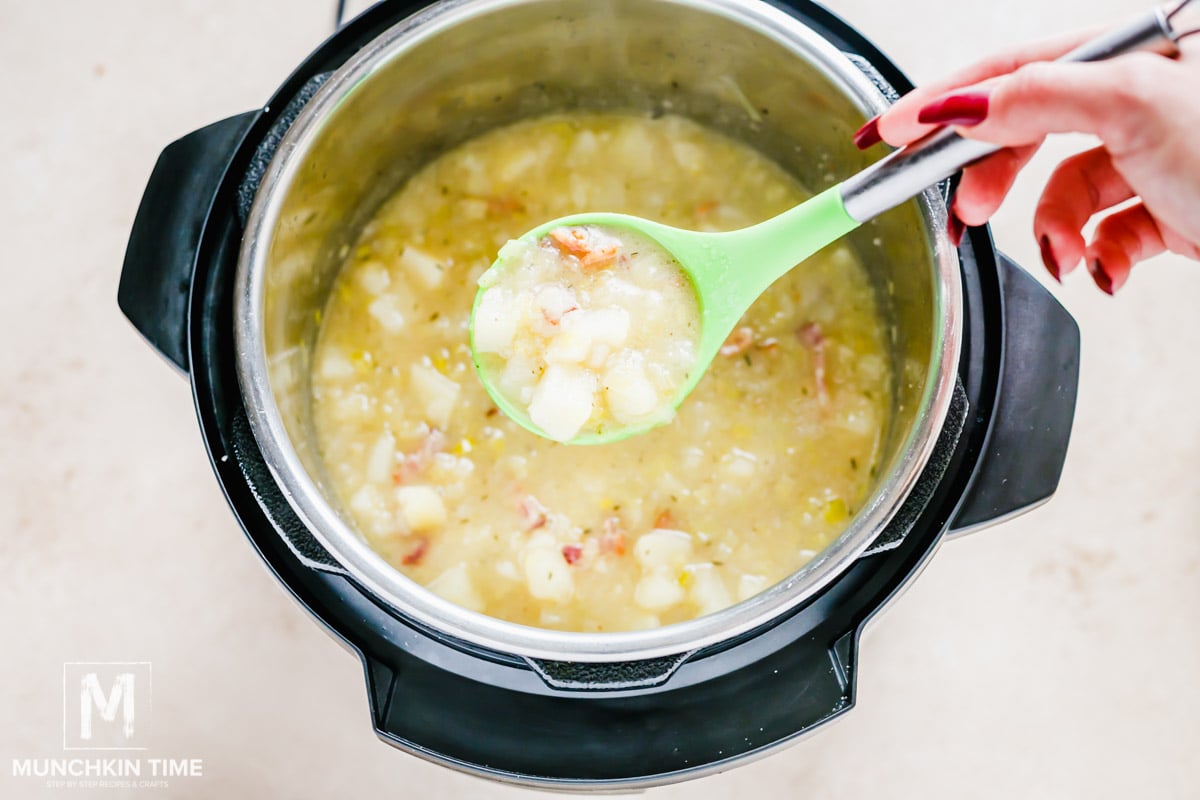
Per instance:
x=910, y=170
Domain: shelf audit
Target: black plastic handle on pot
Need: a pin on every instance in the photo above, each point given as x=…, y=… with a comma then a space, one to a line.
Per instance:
x=160, y=258
x=1023, y=454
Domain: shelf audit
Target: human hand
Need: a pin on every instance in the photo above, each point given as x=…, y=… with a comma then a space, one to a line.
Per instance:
x=1144, y=108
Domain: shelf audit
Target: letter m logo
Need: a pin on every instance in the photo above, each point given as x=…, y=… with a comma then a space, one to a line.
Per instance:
x=91, y=696
x=106, y=705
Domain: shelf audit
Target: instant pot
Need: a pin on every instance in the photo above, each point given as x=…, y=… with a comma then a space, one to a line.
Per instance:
x=244, y=223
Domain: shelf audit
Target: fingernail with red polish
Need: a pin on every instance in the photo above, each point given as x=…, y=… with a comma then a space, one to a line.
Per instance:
x=868, y=135
x=1049, y=260
x=956, y=228
x=1101, y=277
x=966, y=109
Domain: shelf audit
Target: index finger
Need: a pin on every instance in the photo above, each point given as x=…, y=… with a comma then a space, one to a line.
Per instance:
x=899, y=126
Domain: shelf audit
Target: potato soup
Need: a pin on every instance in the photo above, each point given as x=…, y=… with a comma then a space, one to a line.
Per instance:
x=761, y=468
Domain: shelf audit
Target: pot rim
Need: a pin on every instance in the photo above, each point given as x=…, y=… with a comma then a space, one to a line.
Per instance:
x=404, y=595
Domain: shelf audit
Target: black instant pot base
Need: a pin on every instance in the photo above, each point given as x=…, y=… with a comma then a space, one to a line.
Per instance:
x=490, y=713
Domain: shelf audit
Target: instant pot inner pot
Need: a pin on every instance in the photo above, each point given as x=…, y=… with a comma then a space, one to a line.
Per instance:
x=448, y=75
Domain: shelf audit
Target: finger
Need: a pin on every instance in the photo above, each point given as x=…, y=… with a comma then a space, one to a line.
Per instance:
x=1177, y=242
x=1122, y=239
x=899, y=124
x=1117, y=100
x=1078, y=189
x=985, y=185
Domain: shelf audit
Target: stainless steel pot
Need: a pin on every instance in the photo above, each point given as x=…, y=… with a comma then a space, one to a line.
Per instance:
x=461, y=67
x=408, y=87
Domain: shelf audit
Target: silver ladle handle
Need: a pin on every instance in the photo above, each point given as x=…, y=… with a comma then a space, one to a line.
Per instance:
x=910, y=170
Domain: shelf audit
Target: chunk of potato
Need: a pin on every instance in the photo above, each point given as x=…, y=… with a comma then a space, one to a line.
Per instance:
x=373, y=277
x=435, y=392
x=739, y=465
x=519, y=164
x=355, y=407
x=422, y=507
x=371, y=509
x=643, y=622
x=386, y=311
x=507, y=569
x=750, y=585
x=708, y=590
x=563, y=401
x=584, y=335
x=552, y=302
x=333, y=364
x=858, y=416
x=658, y=591
x=548, y=575
x=382, y=458
x=585, y=146
x=472, y=208
x=663, y=548
x=457, y=586
x=496, y=321
x=636, y=149
x=688, y=155
x=568, y=347
x=518, y=378
x=608, y=326
x=630, y=394
x=422, y=267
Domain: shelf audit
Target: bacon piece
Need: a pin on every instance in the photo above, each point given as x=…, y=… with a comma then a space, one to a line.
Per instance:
x=813, y=338
x=415, y=463
x=552, y=320
x=572, y=553
x=593, y=251
x=666, y=519
x=738, y=342
x=499, y=206
x=533, y=514
x=414, y=556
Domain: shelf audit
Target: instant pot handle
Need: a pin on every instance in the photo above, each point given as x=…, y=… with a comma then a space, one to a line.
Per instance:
x=584, y=677
x=161, y=254
x=1023, y=454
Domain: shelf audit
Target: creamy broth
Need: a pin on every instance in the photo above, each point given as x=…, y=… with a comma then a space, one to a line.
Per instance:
x=761, y=468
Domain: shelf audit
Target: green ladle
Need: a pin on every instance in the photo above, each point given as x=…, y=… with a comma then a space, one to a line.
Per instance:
x=729, y=271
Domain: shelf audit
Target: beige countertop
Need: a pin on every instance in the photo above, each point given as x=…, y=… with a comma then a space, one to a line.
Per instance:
x=1057, y=656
